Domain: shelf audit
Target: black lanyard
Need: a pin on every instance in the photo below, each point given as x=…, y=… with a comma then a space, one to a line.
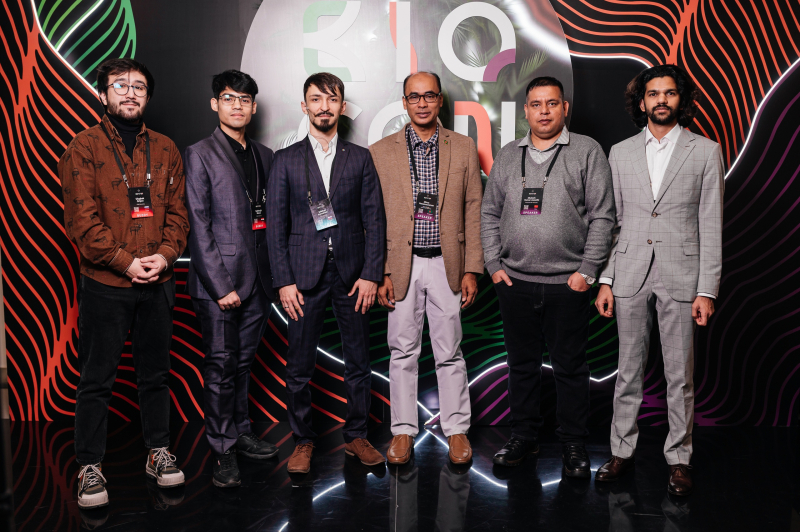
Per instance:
x=308, y=179
x=525, y=154
x=258, y=174
x=414, y=161
x=119, y=161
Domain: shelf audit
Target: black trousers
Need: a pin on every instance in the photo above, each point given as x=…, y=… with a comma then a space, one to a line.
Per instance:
x=300, y=360
x=230, y=342
x=553, y=317
x=105, y=315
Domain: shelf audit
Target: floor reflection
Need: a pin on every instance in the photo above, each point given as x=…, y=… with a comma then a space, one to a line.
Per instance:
x=427, y=494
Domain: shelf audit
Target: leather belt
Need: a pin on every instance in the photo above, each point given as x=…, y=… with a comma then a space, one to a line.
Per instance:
x=427, y=253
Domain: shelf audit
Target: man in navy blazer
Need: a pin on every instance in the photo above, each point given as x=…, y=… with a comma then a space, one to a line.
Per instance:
x=326, y=234
x=229, y=275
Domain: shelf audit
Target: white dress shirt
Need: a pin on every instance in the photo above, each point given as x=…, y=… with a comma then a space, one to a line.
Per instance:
x=658, y=155
x=324, y=159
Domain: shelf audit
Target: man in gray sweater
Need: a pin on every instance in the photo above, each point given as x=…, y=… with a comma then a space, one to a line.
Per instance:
x=546, y=222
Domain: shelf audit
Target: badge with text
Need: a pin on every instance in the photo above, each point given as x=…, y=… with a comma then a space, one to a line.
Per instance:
x=258, y=211
x=426, y=206
x=141, y=206
x=531, y=201
x=322, y=211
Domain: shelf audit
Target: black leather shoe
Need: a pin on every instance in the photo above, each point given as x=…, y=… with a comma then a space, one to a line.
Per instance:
x=515, y=451
x=251, y=446
x=226, y=470
x=576, y=461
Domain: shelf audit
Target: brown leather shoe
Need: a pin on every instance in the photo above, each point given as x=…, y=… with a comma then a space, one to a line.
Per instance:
x=460, y=449
x=400, y=449
x=300, y=461
x=680, y=481
x=614, y=468
x=364, y=451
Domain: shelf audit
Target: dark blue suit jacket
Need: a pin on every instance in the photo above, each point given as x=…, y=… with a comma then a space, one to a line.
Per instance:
x=296, y=249
x=226, y=253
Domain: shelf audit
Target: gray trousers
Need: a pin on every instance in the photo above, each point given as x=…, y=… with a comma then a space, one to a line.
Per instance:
x=676, y=325
x=428, y=293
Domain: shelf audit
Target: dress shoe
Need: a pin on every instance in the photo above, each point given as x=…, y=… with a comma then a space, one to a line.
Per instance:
x=364, y=451
x=251, y=446
x=400, y=449
x=576, y=461
x=226, y=470
x=614, y=468
x=680, y=481
x=300, y=461
x=460, y=449
x=515, y=451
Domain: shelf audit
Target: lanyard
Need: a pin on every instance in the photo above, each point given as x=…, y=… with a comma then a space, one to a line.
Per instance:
x=258, y=174
x=414, y=161
x=119, y=161
x=308, y=180
x=525, y=153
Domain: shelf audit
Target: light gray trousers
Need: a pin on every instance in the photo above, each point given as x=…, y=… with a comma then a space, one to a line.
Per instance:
x=676, y=326
x=428, y=293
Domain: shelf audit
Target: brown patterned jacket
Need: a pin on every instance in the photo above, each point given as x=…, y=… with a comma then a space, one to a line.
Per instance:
x=97, y=214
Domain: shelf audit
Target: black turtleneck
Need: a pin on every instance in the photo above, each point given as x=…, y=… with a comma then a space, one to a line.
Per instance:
x=128, y=131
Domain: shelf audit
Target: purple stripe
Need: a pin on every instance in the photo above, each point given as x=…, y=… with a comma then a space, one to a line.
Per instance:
x=489, y=389
x=504, y=414
x=780, y=393
x=506, y=57
x=492, y=405
x=791, y=407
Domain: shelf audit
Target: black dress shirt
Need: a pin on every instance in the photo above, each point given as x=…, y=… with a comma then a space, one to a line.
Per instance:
x=246, y=156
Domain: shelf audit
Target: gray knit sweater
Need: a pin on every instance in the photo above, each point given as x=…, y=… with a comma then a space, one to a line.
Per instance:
x=573, y=232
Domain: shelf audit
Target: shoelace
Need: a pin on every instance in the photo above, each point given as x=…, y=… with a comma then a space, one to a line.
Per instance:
x=226, y=459
x=576, y=452
x=163, y=459
x=305, y=448
x=514, y=444
x=91, y=476
x=251, y=436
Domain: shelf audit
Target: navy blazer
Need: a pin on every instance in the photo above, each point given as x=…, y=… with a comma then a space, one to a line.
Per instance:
x=226, y=253
x=296, y=249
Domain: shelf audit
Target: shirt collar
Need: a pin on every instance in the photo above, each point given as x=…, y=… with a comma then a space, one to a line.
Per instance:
x=563, y=138
x=672, y=136
x=416, y=140
x=237, y=148
x=315, y=145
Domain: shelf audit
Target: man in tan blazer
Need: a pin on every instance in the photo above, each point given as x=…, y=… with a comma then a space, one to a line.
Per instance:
x=432, y=194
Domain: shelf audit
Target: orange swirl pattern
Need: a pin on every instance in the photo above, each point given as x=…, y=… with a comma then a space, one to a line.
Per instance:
x=735, y=50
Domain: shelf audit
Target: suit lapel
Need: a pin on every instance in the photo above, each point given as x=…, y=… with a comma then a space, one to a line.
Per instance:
x=223, y=143
x=339, y=163
x=683, y=147
x=401, y=163
x=639, y=161
x=444, y=164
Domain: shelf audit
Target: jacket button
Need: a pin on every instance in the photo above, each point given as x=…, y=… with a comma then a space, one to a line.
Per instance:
x=649, y=241
x=655, y=214
x=412, y=217
x=409, y=242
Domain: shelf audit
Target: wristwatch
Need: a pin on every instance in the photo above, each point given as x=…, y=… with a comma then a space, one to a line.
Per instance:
x=589, y=280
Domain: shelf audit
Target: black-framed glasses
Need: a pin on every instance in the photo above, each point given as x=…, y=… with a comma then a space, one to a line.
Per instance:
x=228, y=99
x=123, y=88
x=430, y=97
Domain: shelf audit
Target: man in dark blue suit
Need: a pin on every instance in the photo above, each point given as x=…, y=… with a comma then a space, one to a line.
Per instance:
x=229, y=275
x=326, y=233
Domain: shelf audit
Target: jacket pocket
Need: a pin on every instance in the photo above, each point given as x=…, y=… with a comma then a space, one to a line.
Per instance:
x=691, y=248
x=295, y=239
x=227, y=249
x=622, y=246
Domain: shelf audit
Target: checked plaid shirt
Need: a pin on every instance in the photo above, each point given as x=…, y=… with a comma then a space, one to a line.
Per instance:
x=426, y=233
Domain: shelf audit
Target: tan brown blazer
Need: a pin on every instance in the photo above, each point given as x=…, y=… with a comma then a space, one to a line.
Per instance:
x=460, y=195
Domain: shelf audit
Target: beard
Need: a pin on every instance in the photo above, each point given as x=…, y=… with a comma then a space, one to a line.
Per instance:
x=323, y=125
x=662, y=120
x=133, y=115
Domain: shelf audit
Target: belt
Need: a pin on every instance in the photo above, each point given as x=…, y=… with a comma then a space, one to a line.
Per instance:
x=427, y=253
x=329, y=256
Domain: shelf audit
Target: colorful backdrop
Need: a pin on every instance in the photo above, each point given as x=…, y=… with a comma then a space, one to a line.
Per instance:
x=743, y=54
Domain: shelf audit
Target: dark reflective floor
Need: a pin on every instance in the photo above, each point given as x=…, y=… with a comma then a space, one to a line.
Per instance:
x=746, y=479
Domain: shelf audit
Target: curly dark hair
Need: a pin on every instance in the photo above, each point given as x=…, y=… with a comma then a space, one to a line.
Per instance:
x=687, y=89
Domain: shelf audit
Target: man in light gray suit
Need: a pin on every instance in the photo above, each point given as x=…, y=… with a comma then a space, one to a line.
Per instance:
x=666, y=257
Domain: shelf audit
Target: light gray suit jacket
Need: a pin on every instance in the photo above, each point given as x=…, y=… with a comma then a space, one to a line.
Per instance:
x=683, y=226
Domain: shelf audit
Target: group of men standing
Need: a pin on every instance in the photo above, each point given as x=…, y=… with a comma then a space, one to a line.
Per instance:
x=406, y=222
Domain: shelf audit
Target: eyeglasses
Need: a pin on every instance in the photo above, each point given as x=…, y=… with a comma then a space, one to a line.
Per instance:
x=228, y=99
x=122, y=89
x=430, y=97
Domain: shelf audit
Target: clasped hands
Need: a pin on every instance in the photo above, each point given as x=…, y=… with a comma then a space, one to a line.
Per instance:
x=146, y=270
